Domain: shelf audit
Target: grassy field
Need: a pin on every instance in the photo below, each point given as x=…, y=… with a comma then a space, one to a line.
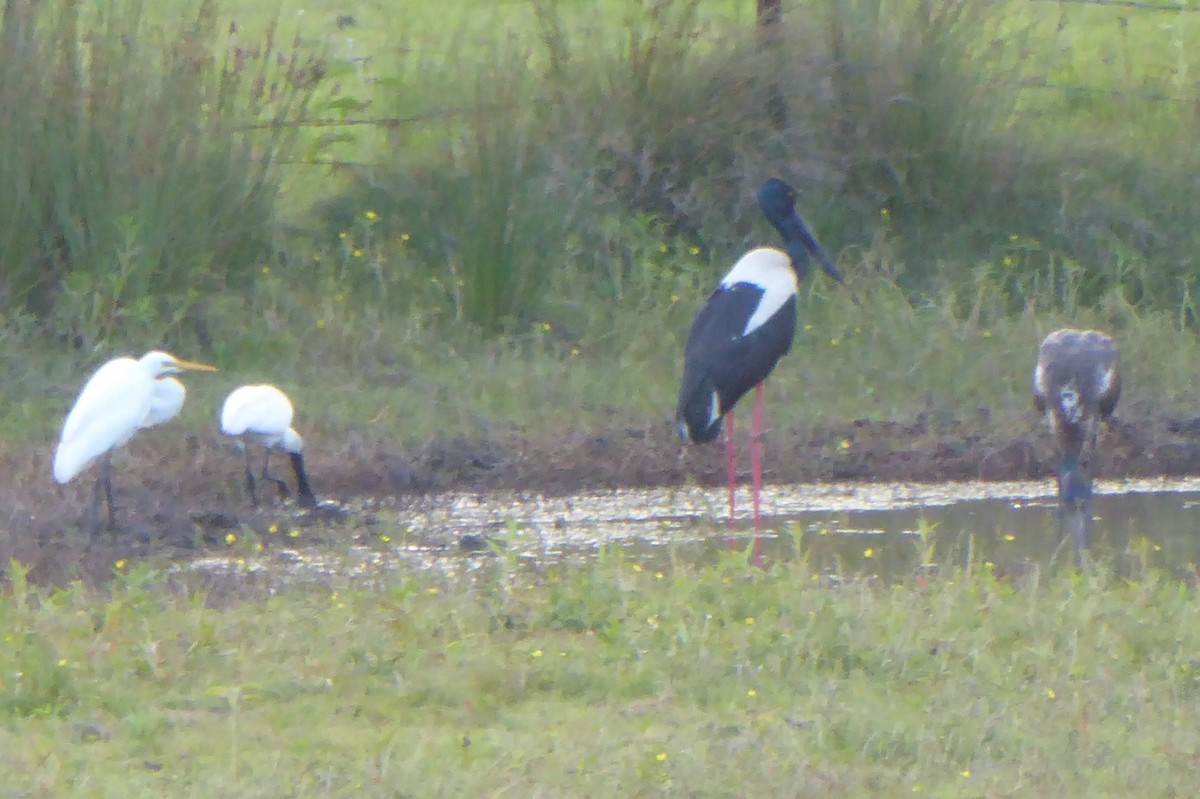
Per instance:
x=604, y=680
x=442, y=279
x=518, y=253
x=419, y=383
x=490, y=220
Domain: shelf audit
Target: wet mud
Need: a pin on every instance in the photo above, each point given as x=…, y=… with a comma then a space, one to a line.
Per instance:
x=180, y=499
x=926, y=449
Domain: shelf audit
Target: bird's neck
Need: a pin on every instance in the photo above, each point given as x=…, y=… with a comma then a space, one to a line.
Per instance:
x=790, y=228
x=1073, y=483
x=798, y=255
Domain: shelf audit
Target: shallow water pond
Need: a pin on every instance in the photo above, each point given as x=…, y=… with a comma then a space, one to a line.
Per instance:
x=887, y=529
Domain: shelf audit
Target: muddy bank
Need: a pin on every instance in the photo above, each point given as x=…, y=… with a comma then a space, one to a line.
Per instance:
x=924, y=450
x=176, y=498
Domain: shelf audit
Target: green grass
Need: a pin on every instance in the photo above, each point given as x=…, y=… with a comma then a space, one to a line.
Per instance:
x=966, y=236
x=601, y=679
x=527, y=139
x=605, y=680
x=409, y=379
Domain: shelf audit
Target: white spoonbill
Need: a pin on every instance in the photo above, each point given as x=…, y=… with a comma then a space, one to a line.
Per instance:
x=263, y=414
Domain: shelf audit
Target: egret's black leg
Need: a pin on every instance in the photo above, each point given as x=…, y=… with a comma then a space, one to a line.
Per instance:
x=1074, y=519
x=1060, y=525
x=93, y=516
x=304, y=493
x=266, y=475
x=251, y=486
x=106, y=476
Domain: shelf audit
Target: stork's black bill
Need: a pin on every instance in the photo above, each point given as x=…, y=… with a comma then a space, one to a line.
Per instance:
x=778, y=202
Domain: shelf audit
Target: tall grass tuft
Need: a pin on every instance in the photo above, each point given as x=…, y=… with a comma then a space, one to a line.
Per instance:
x=507, y=212
x=911, y=126
x=488, y=212
x=670, y=122
x=932, y=134
x=140, y=162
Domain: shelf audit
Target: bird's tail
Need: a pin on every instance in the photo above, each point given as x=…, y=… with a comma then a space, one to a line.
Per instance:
x=699, y=413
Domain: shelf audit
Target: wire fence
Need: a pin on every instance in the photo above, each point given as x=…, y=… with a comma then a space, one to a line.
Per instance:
x=1186, y=91
x=1134, y=86
x=1131, y=4
x=770, y=12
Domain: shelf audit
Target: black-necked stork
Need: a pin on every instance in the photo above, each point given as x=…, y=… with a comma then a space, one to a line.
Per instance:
x=1076, y=383
x=744, y=328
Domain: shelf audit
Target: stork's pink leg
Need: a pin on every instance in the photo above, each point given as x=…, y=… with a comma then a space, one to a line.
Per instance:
x=756, y=448
x=731, y=467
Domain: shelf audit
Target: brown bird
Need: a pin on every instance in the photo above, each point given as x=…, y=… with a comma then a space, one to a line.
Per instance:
x=1076, y=384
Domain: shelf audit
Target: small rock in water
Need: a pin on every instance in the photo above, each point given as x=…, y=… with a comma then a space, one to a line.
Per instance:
x=474, y=542
x=327, y=511
x=216, y=520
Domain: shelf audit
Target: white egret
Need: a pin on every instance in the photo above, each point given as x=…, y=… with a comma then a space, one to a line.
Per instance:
x=744, y=328
x=123, y=396
x=263, y=414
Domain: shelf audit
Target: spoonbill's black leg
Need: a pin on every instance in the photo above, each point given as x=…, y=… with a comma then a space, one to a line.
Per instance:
x=266, y=475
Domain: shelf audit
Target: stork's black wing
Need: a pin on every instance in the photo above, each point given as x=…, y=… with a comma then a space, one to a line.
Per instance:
x=720, y=358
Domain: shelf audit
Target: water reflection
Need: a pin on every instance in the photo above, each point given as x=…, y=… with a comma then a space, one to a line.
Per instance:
x=886, y=529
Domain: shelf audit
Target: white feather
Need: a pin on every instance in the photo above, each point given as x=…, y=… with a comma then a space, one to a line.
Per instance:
x=262, y=413
x=1039, y=381
x=122, y=397
x=110, y=409
x=165, y=402
x=770, y=270
x=1068, y=400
